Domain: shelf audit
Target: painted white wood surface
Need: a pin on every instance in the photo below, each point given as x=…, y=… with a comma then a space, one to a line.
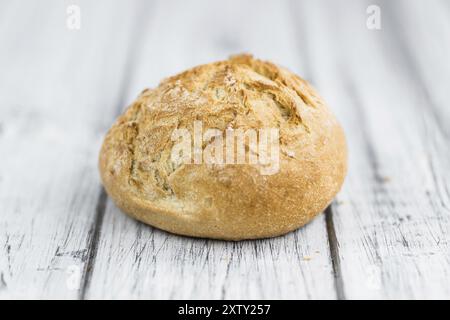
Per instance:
x=160, y=265
x=391, y=220
x=387, y=234
x=59, y=94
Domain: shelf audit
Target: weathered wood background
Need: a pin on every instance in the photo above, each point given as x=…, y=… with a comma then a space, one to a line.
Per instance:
x=386, y=235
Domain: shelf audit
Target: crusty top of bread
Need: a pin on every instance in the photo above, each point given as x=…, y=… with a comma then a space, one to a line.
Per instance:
x=225, y=201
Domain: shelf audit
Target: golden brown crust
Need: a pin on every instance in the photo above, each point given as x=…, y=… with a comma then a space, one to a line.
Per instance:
x=225, y=201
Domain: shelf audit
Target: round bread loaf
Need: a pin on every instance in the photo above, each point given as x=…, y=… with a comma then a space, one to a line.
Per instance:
x=206, y=186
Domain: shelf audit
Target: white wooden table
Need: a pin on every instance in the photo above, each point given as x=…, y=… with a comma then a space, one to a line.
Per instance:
x=386, y=235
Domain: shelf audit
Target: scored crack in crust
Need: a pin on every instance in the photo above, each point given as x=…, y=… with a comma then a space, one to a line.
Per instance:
x=230, y=201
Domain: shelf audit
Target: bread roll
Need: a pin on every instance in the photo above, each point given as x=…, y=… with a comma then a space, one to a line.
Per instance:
x=171, y=159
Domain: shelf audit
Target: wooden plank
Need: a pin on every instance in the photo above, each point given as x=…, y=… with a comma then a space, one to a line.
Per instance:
x=60, y=89
x=137, y=261
x=428, y=60
x=391, y=227
x=388, y=230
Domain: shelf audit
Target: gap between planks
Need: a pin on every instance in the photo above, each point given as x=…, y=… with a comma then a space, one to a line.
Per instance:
x=129, y=67
x=302, y=42
x=102, y=199
x=334, y=253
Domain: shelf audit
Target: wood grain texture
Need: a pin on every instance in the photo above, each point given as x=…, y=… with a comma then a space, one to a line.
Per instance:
x=137, y=261
x=59, y=93
x=386, y=235
x=391, y=224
